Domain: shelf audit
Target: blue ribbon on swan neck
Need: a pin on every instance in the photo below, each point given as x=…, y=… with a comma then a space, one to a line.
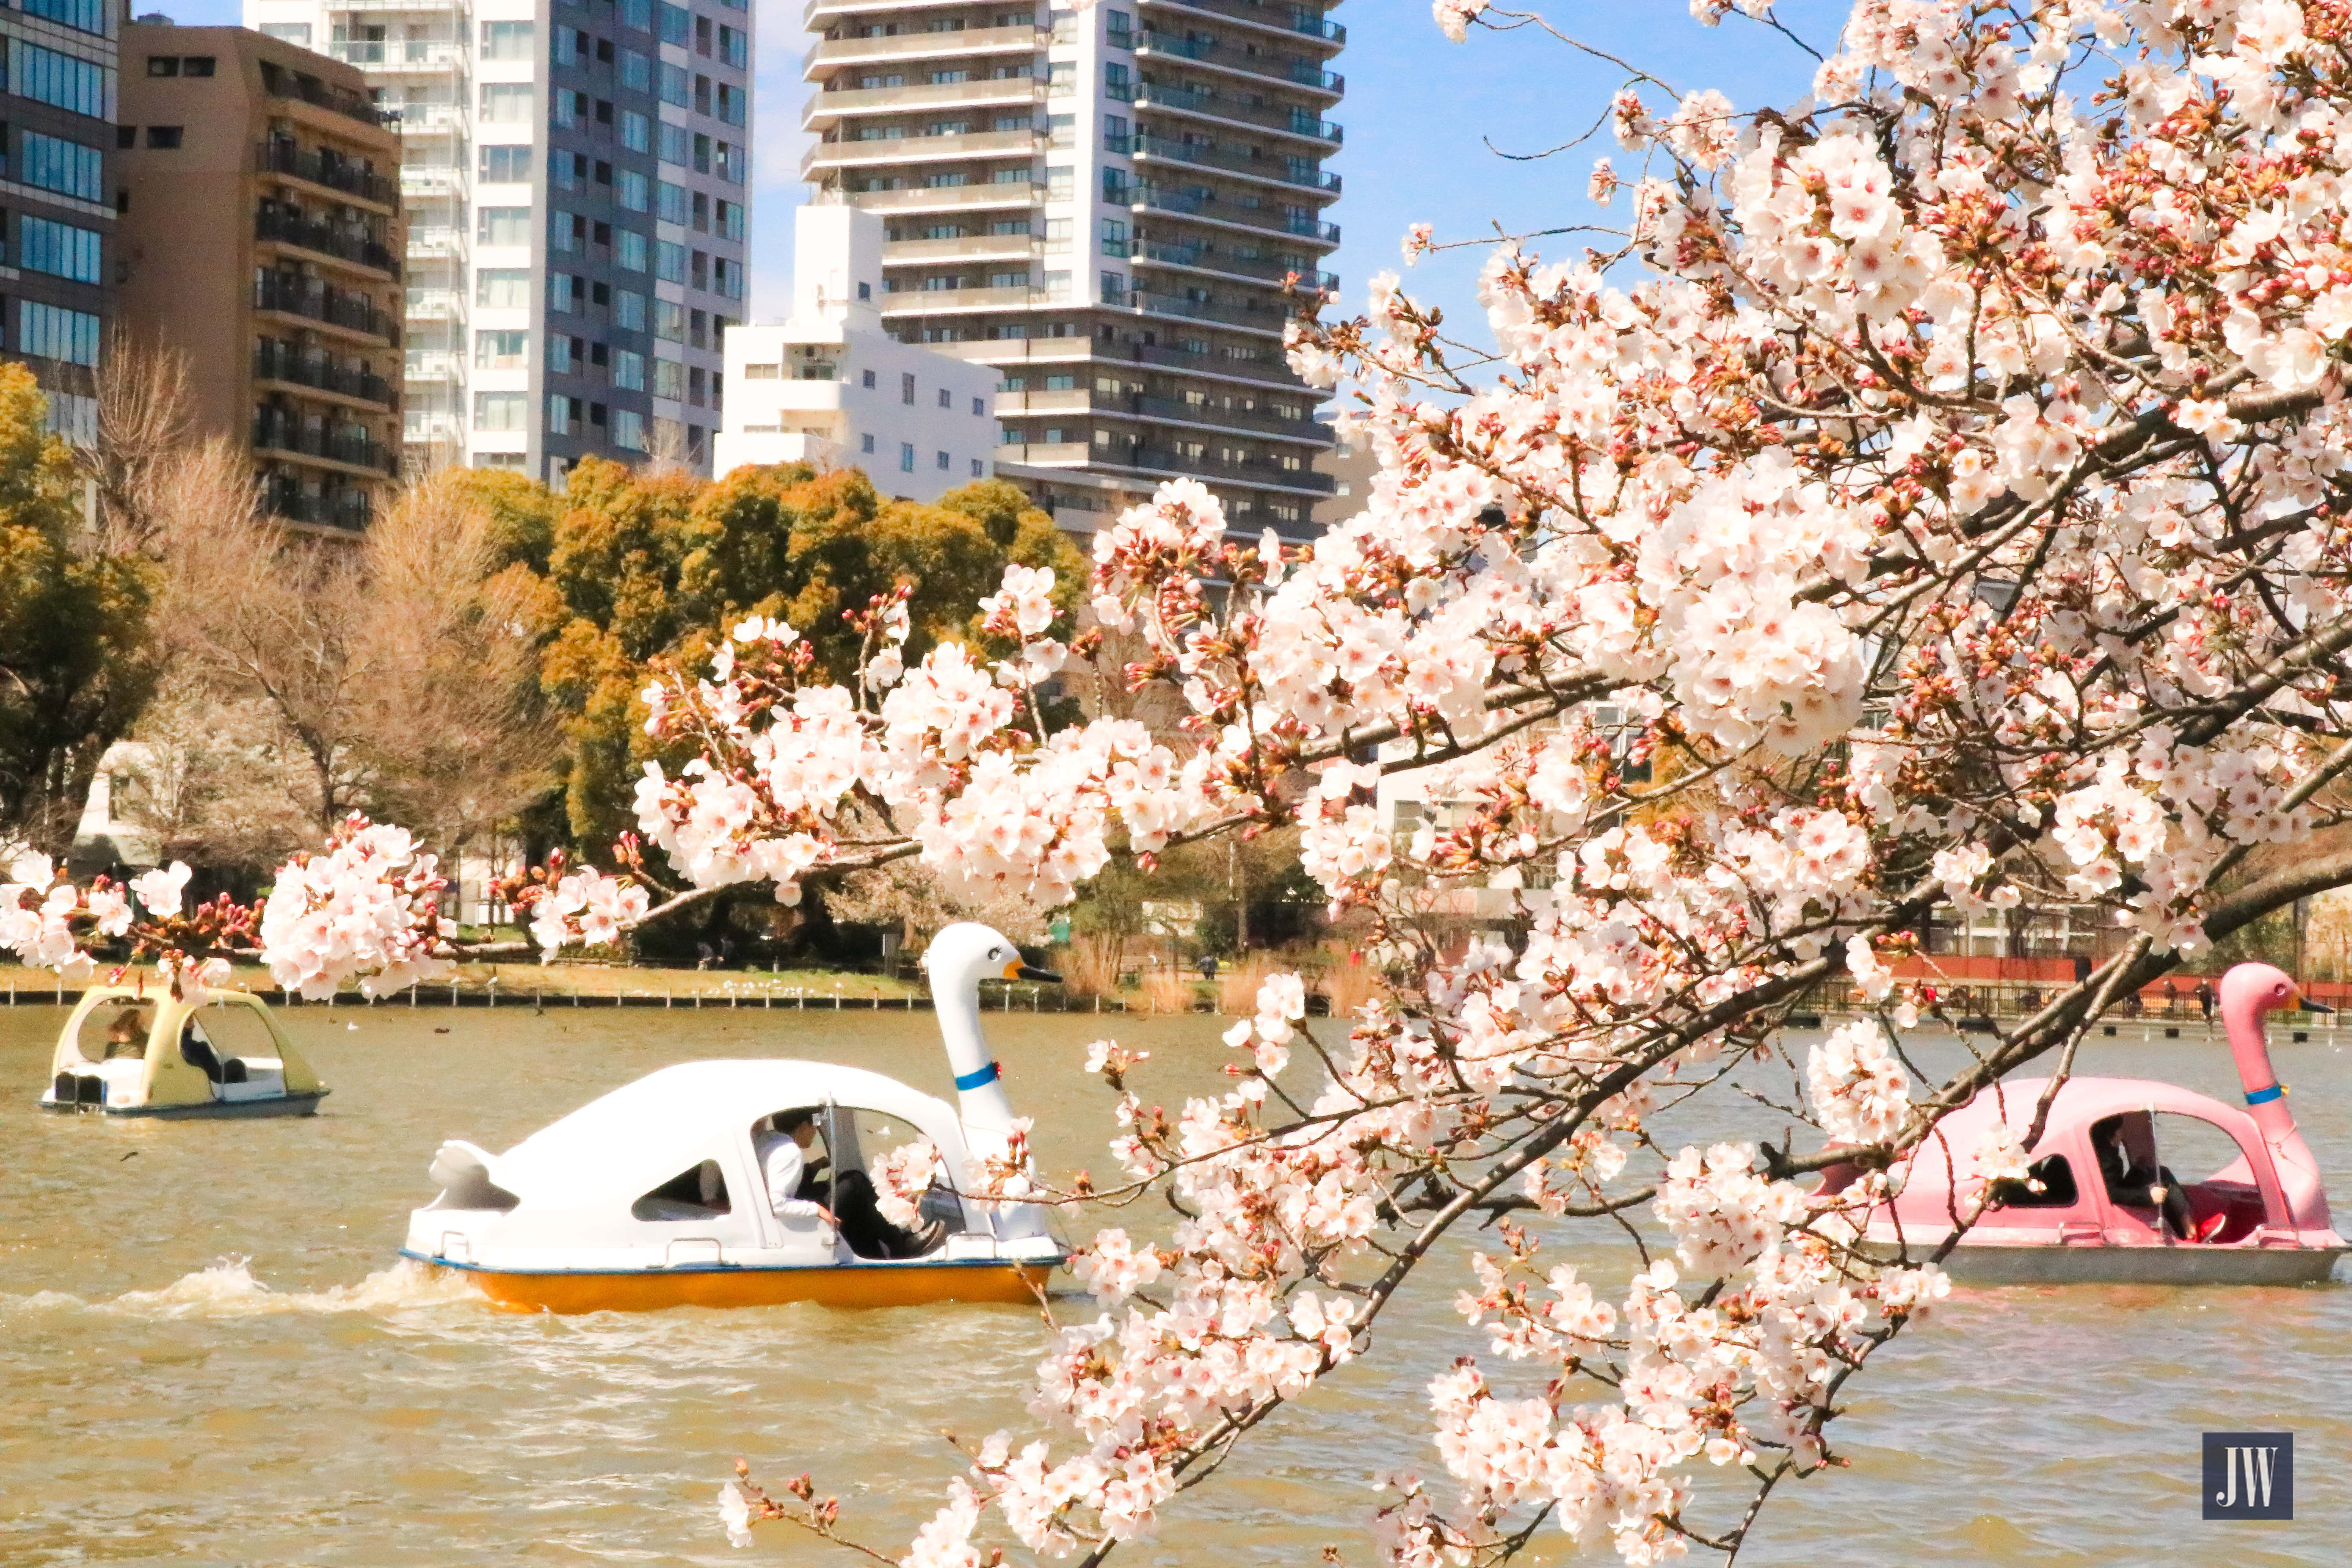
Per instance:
x=980, y=1079
x=2258, y=1097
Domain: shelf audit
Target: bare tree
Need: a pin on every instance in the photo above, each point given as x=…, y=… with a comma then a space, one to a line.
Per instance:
x=146, y=438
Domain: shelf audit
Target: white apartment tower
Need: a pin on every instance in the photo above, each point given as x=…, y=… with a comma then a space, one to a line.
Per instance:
x=576, y=175
x=1103, y=206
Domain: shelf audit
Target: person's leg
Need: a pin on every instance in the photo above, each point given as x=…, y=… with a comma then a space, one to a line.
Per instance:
x=2176, y=1212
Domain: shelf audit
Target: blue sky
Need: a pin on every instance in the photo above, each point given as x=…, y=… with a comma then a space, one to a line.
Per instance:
x=1417, y=115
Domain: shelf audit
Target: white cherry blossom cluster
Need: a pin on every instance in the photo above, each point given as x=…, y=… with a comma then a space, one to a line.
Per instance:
x=367, y=908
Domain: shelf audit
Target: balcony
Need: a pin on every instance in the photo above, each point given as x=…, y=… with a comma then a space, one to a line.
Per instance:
x=316, y=301
x=283, y=363
x=436, y=305
x=319, y=167
x=970, y=247
x=1293, y=25
x=824, y=108
x=349, y=509
x=831, y=153
x=1209, y=209
x=1202, y=155
x=1203, y=258
x=429, y=119
x=432, y=181
x=362, y=7
x=831, y=54
x=341, y=241
x=1272, y=475
x=279, y=82
x=1303, y=75
x=1058, y=455
x=399, y=57
x=1250, y=317
x=351, y=447
x=433, y=367
x=1216, y=106
x=948, y=198
x=440, y=243
x=928, y=301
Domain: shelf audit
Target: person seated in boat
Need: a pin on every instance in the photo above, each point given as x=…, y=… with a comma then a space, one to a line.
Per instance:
x=782, y=1152
x=2137, y=1183
x=870, y=1235
x=127, y=1036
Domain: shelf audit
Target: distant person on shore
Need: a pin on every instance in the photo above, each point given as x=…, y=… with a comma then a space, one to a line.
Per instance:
x=2205, y=1000
x=1209, y=967
x=127, y=1036
x=2171, y=998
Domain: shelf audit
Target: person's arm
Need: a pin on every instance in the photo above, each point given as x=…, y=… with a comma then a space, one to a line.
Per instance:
x=784, y=1173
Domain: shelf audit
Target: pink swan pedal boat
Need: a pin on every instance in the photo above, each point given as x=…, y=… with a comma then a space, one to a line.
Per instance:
x=2260, y=1218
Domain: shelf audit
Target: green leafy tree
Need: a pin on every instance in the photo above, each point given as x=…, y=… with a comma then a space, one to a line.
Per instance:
x=77, y=658
x=630, y=566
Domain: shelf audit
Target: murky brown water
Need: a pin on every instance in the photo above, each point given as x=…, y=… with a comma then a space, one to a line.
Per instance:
x=208, y=1354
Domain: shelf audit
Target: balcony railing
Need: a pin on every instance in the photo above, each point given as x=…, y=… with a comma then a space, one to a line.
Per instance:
x=279, y=82
x=1200, y=100
x=1158, y=199
x=932, y=199
x=1165, y=460
x=830, y=51
x=1257, y=318
x=436, y=305
x=899, y=252
x=323, y=302
x=1209, y=157
x=274, y=431
x=927, y=95
x=326, y=238
x=837, y=152
x=282, y=494
x=1305, y=26
x=402, y=54
x=1202, y=258
x=915, y=302
x=420, y=118
x=282, y=361
x=1210, y=51
x=320, y=167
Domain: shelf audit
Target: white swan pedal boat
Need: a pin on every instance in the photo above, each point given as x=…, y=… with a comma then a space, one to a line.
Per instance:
x=656, y=1195
x=208, y=1055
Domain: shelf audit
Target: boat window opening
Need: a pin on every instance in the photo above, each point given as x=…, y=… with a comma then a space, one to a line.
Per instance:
x=696, y=1192
x=115, y=1029
x=2058, y=1188
x=196, y=1049
x=236, y=1031
x=2136, y=1182
x=2217, y=1179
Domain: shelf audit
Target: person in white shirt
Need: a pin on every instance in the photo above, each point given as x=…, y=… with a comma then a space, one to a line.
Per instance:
x=782, y=1155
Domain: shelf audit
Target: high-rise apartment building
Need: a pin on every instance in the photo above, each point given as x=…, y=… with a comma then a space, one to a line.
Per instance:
x=1105, y=206
x=261, y=238
x=577, y=174
x=56, y=133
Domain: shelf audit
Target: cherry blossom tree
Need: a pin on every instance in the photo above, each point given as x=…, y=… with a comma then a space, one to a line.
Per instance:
x=1943, y=483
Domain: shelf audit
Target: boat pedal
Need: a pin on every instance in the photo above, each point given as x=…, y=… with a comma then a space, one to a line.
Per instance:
x=90, y=1090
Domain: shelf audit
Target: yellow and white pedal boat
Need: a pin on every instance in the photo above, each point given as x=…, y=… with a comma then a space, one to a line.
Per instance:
x=654, y=1195
x=210, y=1053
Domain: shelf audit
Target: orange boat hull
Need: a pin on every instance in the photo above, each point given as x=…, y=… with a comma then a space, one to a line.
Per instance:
x=877, y=1285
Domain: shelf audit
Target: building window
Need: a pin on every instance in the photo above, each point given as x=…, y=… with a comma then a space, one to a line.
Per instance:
x=501, y=350
x=629, y=370
x=48, y=332
x=866, y=380
x=945, y=462
x=630, y=250
x=506, y=102
x=503, y=288
x=636, y=132
x=60, y=249
x=62, y=81
x=975, y=467
x=629, y=309
x=628, y=430
x=506, y=165
x=67, y=167
x=669, y=260
x=980, y=408
x=164, y=138
x=906, y=456
x=83, y=15
x=669, y=378
x=637, y=72
x=633, y=191
x=295, y=33
x=947, y=398
x=865, y=445
x=907, y=392
x=499, y=410
x=559, y=415
x=506, y=40
x=505, y=225
x=558, y=353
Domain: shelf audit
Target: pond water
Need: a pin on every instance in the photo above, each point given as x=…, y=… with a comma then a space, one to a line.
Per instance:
x=210, y=1354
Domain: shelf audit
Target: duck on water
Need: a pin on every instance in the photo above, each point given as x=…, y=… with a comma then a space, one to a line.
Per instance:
x=657, y=1194
x=2102, y=1204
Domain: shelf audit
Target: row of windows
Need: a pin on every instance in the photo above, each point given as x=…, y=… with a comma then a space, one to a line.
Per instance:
x=54, y=164
x=60, y=80
x=83, y=15
x=60, y=249
x=51, y=331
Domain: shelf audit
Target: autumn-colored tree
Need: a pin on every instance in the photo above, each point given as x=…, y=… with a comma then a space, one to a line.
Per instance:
x=77, y=662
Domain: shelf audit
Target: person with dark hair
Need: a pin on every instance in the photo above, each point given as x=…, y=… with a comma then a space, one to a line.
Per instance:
x=783, y=1154
x=2138, y=1186
x=127, y=1036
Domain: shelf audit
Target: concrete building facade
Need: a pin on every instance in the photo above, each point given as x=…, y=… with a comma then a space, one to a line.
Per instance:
x=57, y=223
x=262, y=238
x=1103, y=207
x=832, y=388
x=578, y=175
